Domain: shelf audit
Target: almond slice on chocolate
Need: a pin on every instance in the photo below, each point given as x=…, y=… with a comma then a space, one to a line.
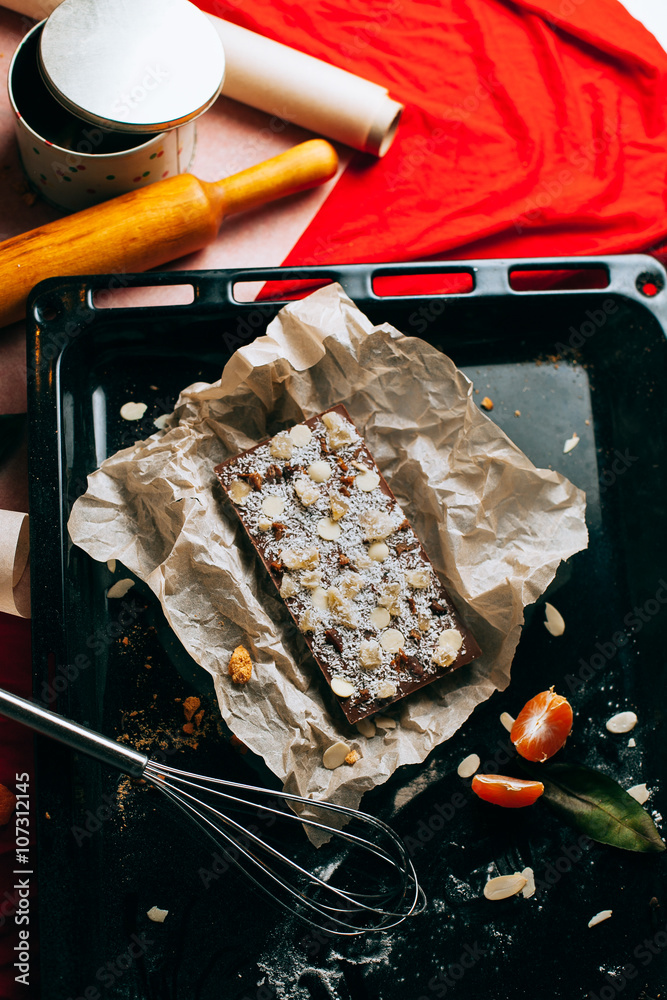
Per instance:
x=273, y=506
x=319, y=598
x=380, y=618
x=342, y=687
x=328, y=529
x=449, y=643
x=239, y=491
x=319, y=471
x=367, y=481
x=378, y=551
x=392, y=640
x=468, y=766
x=301, y=435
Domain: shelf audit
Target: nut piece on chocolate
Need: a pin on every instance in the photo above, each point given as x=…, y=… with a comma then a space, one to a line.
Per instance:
x=347, y=564
x=240, y=666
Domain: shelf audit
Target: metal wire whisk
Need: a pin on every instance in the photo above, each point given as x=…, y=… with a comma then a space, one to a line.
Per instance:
x=363, y=882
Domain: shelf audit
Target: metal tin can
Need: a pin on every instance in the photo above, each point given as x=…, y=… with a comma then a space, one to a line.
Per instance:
x=134, y=123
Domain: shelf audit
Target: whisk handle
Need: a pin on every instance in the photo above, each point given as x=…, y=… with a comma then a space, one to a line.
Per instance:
x=72, y=734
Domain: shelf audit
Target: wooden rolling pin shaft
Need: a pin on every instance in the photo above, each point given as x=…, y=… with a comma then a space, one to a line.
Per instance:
x=151, y=226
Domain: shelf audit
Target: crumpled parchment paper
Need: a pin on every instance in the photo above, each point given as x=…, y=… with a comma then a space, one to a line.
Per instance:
x=495, y=527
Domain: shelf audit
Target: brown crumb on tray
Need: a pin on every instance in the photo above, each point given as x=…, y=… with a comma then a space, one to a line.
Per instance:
x=240, y=666
x=487, y=403
x=190, y=706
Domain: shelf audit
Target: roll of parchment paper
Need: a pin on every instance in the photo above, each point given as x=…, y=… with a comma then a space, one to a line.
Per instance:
x=291, y=86
x=14, y=553
x=298, y=88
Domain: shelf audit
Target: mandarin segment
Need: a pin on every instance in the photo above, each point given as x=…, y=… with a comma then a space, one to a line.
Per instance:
x=542, y=726
x=512, y=793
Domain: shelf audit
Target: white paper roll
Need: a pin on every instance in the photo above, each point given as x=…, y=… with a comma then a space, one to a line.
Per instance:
x=297, y=88
x=292, y=86
x=14, y=554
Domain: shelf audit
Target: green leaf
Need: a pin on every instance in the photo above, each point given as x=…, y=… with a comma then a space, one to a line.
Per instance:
x=595, y=803
x=12, y=426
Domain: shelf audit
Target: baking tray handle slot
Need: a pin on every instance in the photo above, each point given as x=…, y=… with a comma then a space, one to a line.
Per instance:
x=445, y=282
x=143, y=296
x=533, y=278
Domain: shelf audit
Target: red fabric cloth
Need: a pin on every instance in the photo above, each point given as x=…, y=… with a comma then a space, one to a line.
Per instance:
x=531, y=128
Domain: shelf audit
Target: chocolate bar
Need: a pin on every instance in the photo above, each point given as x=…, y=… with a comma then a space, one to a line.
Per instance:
x=347, y=563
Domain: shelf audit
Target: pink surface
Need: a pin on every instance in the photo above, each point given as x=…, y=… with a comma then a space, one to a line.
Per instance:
x=230, y=137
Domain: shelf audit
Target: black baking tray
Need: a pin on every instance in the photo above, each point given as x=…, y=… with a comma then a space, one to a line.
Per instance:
x=586, y=359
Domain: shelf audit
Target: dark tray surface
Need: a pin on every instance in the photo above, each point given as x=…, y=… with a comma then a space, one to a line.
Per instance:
x=525, y=350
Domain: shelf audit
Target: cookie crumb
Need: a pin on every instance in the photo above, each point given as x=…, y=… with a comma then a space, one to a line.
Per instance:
x=240, y=666
x=190, y=706
x=487, y=403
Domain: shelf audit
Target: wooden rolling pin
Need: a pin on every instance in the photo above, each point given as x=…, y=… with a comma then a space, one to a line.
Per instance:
x=152, y=225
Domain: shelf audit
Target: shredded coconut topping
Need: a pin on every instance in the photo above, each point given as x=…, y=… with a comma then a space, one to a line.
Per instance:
x=345, y=587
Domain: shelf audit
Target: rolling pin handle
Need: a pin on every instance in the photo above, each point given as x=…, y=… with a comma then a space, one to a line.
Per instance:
x=302, y=167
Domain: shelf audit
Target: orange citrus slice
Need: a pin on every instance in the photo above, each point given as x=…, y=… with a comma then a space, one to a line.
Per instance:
x=513, y=793
x=542, y=726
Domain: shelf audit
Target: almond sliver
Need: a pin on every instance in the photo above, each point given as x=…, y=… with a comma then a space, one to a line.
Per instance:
x=504, y=886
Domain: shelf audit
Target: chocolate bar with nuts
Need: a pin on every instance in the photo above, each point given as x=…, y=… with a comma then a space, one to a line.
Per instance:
x=347, y=563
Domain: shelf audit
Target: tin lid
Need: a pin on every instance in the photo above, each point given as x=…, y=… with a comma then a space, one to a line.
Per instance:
x=132, y=65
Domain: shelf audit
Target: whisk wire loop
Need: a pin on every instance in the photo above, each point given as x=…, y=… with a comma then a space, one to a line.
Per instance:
x=318, y=902
x=285, y=815
x=378, y=856
x=331, y=923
